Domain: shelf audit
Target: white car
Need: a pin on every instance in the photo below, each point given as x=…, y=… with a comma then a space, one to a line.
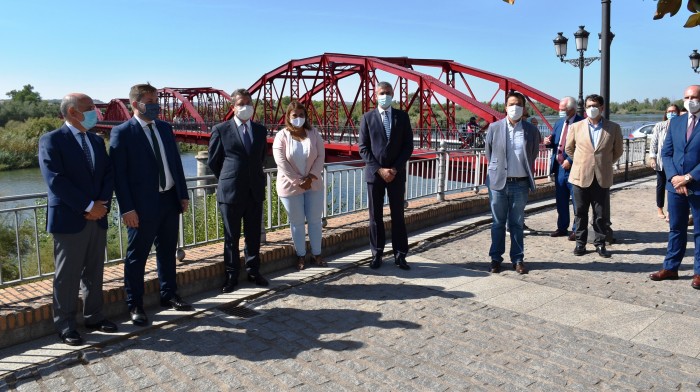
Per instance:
x=643, y=131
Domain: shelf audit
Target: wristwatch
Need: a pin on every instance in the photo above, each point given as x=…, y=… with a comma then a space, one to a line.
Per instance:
x=687, y=178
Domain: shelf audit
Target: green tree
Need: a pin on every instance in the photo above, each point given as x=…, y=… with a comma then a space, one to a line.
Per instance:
x=26, y=94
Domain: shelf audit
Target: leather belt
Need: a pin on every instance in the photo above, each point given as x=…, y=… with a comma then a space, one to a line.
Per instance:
x=514, y=179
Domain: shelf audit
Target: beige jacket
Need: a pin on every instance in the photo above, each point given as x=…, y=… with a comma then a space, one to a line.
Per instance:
x=589, y=163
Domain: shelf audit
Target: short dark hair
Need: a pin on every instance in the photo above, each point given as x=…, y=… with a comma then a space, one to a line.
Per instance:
x=595, y=98
x=138, y=91
x=241, y=92
x=516, y=94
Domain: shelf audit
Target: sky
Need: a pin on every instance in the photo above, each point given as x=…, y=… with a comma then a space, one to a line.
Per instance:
x=102, y=48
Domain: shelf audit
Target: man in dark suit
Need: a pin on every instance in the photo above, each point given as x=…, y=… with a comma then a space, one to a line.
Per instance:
x=386, y=144
x=237, y=151
x=152, y=193
x=561, y=166
x=78, y=173
x=681, y=161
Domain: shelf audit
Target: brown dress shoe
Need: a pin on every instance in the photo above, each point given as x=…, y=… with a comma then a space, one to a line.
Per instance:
x=495, y=267
x=520, y=268
x=696, y=282
x=557, y=233
x=572, y=236
x=664, y=275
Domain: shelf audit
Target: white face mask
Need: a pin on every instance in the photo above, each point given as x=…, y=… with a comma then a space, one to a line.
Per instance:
x=562, y=113
x=514, y=112
x=593, y=112
x=245, y=112
x=692, y=105
x=298, y=122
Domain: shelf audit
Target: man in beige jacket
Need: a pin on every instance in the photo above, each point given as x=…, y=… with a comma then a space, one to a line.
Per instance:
x=595, y=144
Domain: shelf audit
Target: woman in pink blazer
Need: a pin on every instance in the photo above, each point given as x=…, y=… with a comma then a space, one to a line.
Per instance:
x=299, y=153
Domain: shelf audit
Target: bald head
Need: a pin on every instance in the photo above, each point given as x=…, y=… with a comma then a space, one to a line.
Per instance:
x=691, y=99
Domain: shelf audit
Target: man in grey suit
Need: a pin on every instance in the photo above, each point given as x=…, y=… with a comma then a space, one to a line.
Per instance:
x=512, y=146
x=78, y=173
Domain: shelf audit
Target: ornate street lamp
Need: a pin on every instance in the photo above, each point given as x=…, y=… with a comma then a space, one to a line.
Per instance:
x=695, y=60
x=581, y=62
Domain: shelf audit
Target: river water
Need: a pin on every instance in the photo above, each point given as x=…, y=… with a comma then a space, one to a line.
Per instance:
x=26, y=181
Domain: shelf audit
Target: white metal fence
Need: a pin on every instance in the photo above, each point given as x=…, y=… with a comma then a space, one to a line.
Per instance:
x=26, y=250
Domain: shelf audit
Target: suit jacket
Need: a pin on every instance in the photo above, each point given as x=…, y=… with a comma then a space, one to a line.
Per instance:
x=288, y=174
x=136, y=170
x=496, y=144
x=590, y=163
x=556, y=132
x=72, y=186
x=379, y=152
x=681, y=157
x=239, y=173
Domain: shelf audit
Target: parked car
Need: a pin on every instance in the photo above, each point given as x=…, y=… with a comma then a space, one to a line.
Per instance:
x=643, y=131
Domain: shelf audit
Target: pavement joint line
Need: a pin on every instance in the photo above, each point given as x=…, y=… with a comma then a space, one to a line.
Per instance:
x=245, y=294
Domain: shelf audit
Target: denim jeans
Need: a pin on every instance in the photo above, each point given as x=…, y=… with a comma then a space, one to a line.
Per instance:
x=305, y=207
x=508, y=205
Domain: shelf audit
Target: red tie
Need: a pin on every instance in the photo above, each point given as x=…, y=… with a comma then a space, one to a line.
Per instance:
x=691, y=126
x=562, y=143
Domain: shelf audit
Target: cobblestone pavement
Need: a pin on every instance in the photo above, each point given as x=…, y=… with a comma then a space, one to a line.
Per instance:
x=444, y=325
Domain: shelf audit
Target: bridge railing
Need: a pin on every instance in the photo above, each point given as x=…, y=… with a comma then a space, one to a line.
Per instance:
x=26, y=249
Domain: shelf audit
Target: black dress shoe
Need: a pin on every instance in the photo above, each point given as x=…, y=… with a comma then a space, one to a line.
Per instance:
x=400, y=261
x=495, y=267
x=71, y=338
x=230, y=285
x=580, y=250
x=376, y=262
x=138, y=317
x=176, y=303
x=103, y=326
x=602, y=251
x=258, y=279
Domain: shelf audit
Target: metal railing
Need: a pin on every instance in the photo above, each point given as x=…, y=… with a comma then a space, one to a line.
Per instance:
x=26, y=249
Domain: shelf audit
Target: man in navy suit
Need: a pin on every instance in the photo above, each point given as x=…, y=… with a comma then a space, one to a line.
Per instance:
x=237, y=150
x=681, y=161
x=386, y=144
x=152, y=193
x=561, y=166
x=78, y=173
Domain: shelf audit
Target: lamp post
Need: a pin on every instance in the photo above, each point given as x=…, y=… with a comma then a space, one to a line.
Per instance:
x=581, y=62
x=695, y=61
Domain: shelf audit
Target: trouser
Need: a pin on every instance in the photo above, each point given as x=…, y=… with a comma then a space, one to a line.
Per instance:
x=303, y=208
x=250, y=212
x=599, y=199
x=375, y=200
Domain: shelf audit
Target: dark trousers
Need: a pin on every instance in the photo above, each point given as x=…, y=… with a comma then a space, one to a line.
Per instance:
x=250, y=211
x=159, y=230
x=375, y=201
x=678, y=207
x=660, y=188
x=598, y=198
x=79, y=260
x=563, y=191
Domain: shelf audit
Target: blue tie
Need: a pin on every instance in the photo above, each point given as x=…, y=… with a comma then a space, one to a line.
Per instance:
x=246, y=138
x=387, y=127
x=86, y=151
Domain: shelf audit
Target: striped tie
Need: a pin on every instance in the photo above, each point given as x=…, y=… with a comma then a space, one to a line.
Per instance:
x=387, y=126
x=86, y=151
x=691, y=126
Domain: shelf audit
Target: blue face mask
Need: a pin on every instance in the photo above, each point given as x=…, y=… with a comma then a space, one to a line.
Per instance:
x=671, y=115
x=149, y=110
x=384, y=101
x=90, y=119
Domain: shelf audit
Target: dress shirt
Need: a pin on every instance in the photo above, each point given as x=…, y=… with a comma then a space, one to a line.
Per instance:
x=76, y=133
x=595, y=131
x=169, y=182
x=381, y=115
x=515, y=167
x=239, y=126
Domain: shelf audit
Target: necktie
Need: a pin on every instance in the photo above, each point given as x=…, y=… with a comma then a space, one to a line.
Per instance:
x=246, y=138
x=159, y=158
x=387, y=127
x=691, y=126
x=562, y=143
x=86, y=151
